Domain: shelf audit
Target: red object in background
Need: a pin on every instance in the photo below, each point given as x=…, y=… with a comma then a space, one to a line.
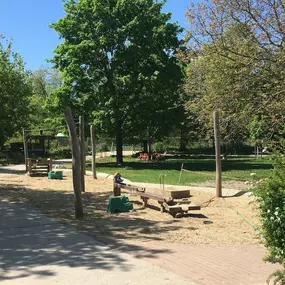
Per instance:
x=143, y=156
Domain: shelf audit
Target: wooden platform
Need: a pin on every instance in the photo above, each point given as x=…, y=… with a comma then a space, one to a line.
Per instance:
x=167, y=204
x=178, y=193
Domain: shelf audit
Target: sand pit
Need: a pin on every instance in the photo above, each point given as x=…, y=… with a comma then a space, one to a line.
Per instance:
x=220, y=221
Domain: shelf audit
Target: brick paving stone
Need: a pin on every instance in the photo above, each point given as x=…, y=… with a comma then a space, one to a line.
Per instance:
x=215, y=265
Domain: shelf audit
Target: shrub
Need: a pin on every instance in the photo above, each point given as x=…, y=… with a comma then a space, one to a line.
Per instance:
x=103, y=148
x=271, y=196
x=159, y=147
x=61, y=152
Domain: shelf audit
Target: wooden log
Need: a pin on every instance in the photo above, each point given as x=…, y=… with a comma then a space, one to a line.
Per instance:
x=162, y=209
x=76, y=163
x=116, y=188
x=178, y=193
x=130, y=187
x=49, y=165
x=145, y=201
x=194, y=207
x=172, y=210
x=151, y=196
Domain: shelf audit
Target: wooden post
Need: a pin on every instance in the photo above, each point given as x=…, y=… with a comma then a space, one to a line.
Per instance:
x=182, y=165
x=25, y=148
x=29, y=166
x=116, y=189
x=149, y=147
x=218, y=155
x=76, y=163
x=49, y=164
x=93, y=147
x=82, y=151
x=82, y=143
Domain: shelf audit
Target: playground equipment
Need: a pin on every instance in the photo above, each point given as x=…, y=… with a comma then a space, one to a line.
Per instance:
x=36, y=151
x=167, y=204
x=40, y=166
x=55, y=175
x=119, y=204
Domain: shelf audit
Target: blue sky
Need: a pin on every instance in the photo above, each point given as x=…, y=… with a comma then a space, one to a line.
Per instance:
x=27, y=23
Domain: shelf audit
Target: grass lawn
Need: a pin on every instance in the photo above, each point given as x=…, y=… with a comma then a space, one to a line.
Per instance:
x=203, y=169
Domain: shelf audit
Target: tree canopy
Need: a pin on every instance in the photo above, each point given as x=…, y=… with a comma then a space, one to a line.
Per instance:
x=43, y=100
x=119, y=66
x=236, y=64
x=15, y=90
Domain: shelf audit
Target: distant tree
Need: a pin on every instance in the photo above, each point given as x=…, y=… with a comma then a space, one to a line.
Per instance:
x=119, y=66
x=15, y=91
x=239, y=48
x=45, y=113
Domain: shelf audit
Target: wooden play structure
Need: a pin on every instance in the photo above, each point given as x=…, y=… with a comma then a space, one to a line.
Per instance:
x=40, y=166
x=173, y=205
x=36, y=151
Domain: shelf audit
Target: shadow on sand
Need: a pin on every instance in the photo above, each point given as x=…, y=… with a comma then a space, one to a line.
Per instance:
x=29, y=239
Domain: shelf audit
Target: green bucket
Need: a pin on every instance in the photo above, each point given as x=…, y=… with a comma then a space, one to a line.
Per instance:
x=55, y=175
x=119, y=204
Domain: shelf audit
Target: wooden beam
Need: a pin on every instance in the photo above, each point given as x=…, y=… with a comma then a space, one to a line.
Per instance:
x=218, y=154
x=76, y=163
x=130, y=187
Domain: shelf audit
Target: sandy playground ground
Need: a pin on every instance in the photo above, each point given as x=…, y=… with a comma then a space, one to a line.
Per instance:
x=232, y=218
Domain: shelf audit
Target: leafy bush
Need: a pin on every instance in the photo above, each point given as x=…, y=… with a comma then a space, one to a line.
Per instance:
x=271, y=195
x=159, y=147
x=103, y=148
x=61, y=152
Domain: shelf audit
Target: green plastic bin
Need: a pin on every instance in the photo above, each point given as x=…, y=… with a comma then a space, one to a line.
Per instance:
x=119, y=204
x=55, y=175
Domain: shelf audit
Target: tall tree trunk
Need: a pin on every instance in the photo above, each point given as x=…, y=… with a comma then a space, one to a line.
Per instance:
x=118, y=122
x=183, y=140
x=119, y=144
x=149, y=148
x=145, y=150
x=76, y=163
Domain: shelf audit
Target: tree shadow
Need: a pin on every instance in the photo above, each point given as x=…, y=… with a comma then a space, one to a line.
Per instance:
x=11, y=170
x=197, y=216
x=238, y=194
x=29, y=239
x=194, y=164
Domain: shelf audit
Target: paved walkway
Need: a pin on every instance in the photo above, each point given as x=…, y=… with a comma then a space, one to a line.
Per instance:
x=36, y=250
x=213, y=265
